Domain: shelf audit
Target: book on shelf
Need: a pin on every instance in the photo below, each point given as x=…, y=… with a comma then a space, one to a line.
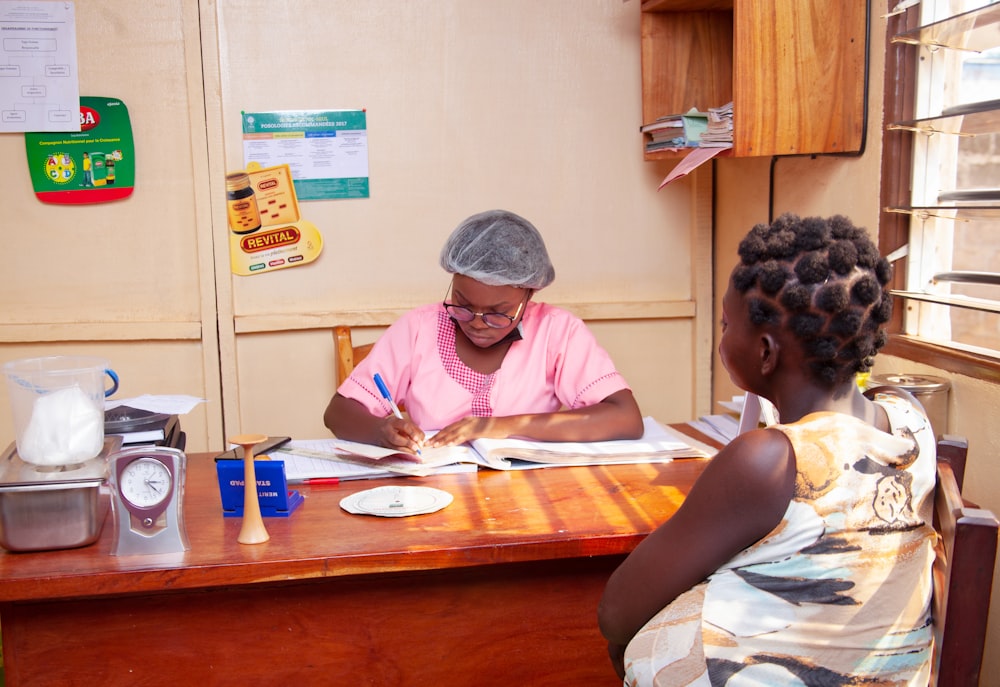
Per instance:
x=716, y=144
x=710, y=129
x=672, y=144
x=663, y=123
x=659, y=444
x=719, y=131
x=676, y=131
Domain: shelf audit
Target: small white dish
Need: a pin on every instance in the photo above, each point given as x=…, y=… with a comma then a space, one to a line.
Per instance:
x=396, y=502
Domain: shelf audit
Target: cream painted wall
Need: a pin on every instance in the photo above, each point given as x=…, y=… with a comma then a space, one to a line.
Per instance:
x=131, y=280
x=518, y=104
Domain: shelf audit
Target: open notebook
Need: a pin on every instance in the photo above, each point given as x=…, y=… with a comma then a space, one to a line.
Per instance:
x=658, y=444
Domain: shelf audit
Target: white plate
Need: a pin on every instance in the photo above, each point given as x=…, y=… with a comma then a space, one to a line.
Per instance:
x=396, y=502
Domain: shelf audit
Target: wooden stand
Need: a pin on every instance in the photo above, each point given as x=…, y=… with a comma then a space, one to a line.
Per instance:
x=253, y=530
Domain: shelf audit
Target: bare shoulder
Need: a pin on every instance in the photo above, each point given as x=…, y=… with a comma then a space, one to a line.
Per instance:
x=740, y=497
x=761, y=458
x=749, y=484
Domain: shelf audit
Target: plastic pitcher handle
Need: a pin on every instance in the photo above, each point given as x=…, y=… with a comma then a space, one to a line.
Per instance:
x=114, y=382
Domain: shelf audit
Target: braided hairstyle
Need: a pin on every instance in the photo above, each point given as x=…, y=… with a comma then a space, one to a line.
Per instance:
x=824, y=280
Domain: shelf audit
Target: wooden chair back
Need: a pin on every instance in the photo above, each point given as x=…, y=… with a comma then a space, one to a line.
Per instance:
x=348, y=355
x=963, y=574
x=954, y=450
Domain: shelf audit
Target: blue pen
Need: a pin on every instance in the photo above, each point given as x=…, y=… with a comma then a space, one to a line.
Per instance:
x=384, y=390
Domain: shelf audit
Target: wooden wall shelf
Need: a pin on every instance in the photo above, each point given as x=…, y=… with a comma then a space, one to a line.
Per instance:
x=795, y=72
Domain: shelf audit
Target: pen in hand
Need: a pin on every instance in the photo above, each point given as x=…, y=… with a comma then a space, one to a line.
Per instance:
x=384, y=390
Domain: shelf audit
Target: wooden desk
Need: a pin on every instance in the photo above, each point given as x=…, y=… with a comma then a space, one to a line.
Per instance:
x=499, y=588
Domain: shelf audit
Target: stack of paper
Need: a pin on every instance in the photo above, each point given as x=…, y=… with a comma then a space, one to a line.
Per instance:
x=719, y=131
x=745, y=412
x=722, y=427
x=347, y=460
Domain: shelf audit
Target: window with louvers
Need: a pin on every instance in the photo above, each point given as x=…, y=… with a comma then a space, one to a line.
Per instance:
x=947, y=113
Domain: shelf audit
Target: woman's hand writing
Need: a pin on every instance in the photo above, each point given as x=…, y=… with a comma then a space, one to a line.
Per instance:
x=399, y=433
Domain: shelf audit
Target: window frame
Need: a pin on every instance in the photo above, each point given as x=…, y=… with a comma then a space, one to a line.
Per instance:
x=896, y=190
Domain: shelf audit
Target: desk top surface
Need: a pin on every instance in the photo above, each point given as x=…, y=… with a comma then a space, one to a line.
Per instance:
x=496, y=517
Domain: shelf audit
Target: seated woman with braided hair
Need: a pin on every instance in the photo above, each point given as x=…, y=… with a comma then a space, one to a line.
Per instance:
x=802, y=555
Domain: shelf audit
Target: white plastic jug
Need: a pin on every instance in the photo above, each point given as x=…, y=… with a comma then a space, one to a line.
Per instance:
x=58, y=407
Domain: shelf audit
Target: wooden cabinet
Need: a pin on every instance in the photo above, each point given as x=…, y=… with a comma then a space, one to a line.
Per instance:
x=794, y=70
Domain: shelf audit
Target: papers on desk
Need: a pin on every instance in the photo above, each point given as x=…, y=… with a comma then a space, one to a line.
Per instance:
x=658, y=444
x=352, y=460
x=721, y=427
x=745, y=411
x=323, y=458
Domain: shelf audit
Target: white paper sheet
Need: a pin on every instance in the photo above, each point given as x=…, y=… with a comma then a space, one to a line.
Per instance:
x=39, y=84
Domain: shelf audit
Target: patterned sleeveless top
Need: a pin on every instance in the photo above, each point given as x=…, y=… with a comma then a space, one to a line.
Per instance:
x=838, y=593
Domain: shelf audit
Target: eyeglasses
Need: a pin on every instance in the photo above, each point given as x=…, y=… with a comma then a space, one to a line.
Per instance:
x=494, y=320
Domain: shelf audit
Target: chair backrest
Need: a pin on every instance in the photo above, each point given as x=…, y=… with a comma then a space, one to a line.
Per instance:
x=348, y=355
x=954, y=450
x=963, y=576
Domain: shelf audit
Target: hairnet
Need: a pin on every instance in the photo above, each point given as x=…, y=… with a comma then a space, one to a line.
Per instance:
x=498, y=248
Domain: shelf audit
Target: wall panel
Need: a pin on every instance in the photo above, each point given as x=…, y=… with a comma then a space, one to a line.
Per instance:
x=528, y=106
x=132, y=270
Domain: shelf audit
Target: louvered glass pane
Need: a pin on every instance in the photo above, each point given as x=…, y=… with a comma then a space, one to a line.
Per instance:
x=955, y=228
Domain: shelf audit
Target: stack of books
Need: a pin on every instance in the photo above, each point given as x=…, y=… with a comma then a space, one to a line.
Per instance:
x=139, y=427
x=675, y=131
x=719, y=133
x=665, y=132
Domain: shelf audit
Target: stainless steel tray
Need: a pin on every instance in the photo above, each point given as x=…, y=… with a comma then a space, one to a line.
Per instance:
x=53, y=508
x=15, y=472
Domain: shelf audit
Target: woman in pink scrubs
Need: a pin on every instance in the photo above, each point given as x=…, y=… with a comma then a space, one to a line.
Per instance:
x=489, y=361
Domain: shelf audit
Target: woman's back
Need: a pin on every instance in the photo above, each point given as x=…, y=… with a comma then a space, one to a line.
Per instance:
x=838, y=593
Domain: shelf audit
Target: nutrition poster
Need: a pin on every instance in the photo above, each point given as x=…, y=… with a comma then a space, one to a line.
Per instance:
x=266, y=232
x=93, y=166
x=327, y=150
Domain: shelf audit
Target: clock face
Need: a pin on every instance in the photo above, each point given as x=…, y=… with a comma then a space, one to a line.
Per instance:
x=145, y=482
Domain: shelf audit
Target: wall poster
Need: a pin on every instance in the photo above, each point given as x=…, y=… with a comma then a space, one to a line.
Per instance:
x=327, y=150
x=39, y=86
x=94, y=165
x=266, y=231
